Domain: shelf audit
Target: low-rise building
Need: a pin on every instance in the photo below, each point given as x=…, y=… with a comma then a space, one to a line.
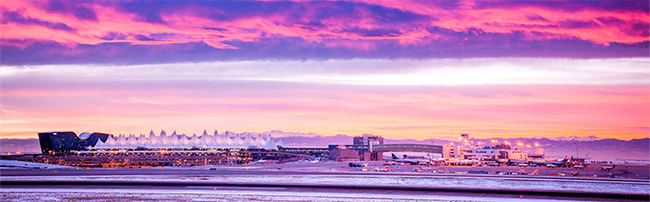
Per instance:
x=343, y=154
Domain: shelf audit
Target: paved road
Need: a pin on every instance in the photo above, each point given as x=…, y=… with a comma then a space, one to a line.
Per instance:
x=235, y=193
x=220, y=171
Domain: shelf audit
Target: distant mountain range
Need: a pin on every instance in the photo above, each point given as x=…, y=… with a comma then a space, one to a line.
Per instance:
x=573, y=138
x=590, y=147
x=12, y=146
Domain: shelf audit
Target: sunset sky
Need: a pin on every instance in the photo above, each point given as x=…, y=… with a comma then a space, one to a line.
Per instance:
x=400, y=69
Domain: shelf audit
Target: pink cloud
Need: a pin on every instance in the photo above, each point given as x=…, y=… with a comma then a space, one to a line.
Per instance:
x=186, y=24
x=508, y=20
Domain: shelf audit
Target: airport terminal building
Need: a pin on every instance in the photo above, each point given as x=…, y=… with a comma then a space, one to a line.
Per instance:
x=106, y=150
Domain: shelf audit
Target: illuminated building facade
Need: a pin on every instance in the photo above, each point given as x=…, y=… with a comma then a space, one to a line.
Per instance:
x=467, y=149
x=105, y=150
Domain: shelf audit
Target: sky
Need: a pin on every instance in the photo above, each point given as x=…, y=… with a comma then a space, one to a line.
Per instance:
x=400, y=69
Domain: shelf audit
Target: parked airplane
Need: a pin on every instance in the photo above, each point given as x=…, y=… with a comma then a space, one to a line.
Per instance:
x=553, y=164
x=512, y=162
x=412, y=161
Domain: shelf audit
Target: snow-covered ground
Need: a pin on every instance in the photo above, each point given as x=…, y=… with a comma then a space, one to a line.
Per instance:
x=25, y=164
x=446, y=181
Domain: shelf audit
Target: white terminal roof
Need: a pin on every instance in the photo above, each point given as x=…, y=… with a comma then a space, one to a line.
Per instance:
x=225, y=140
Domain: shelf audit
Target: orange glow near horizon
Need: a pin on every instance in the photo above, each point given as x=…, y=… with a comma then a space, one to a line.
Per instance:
x=541, y=111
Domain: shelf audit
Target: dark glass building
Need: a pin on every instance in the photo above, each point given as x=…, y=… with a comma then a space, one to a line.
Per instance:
x=67, y=141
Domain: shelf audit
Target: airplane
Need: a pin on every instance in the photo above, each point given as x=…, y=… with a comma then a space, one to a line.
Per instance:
x=517, y=162
x=412, y=161
x=553, y=164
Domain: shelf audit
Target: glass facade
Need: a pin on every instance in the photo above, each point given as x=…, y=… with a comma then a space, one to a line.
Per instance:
x=67, y=141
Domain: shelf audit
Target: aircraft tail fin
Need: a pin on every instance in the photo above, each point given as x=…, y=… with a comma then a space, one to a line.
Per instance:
x=393, y=154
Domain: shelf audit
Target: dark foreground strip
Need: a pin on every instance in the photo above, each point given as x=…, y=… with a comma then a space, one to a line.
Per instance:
x=578, y=194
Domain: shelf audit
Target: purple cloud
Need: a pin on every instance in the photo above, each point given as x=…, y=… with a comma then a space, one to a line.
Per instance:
x=139, y=32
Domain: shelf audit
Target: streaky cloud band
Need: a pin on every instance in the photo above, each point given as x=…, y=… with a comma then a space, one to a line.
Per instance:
x=427, y=72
